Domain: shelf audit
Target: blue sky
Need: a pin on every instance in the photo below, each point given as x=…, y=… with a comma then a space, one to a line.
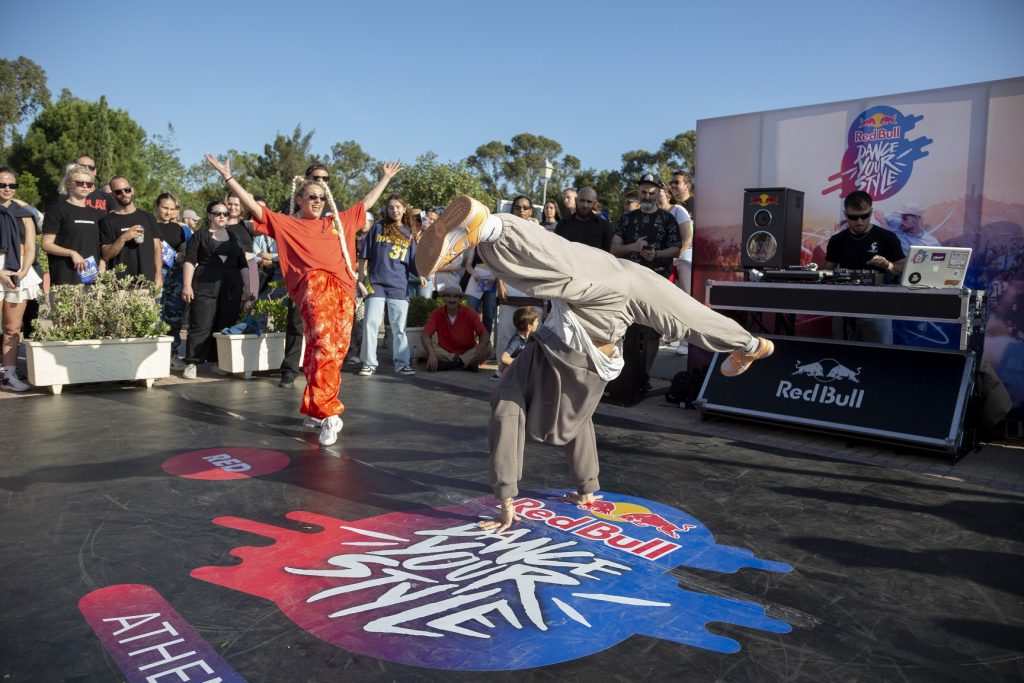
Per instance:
x=403, y=77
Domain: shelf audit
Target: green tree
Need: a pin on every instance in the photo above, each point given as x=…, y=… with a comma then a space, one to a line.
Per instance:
x=23, y=93
x=165, y=170
x=72, y=127
x=353, y=172
x=508, y=170
x=429, y=182
x=680, y=153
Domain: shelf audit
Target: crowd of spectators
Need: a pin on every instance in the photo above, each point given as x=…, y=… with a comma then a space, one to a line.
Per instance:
x=209, y=268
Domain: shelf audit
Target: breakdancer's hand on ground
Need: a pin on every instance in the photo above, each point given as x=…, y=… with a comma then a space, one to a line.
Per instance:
x=508, y=515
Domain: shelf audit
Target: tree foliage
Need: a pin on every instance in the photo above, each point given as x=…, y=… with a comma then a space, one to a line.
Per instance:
x=429, y=182
x=515, y=168
x=23, y=93
x=72, y=127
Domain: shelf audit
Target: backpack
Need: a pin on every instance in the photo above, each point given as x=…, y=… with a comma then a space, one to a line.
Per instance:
x=685, y=387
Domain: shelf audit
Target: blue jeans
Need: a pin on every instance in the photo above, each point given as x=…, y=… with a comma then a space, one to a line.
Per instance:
x=489, y=302
x=398, y=309
x=414, y=289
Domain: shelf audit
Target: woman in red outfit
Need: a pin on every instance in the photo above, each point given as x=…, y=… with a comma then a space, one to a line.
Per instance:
x=317, y=260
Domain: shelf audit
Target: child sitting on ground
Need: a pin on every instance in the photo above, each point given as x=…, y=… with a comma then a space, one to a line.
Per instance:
x=526, y=322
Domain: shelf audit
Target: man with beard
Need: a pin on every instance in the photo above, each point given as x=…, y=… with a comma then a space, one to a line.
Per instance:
x=128, y=235
x=585, y=226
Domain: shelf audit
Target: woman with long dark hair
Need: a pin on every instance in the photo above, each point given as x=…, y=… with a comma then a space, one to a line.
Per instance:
x=386, y=262
x=215, y=282
x=550, y=215
x=19, y=282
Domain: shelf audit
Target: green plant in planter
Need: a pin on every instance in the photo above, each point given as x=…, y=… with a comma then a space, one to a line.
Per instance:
x=271, y=313
x=420, y=308
x=111, y=307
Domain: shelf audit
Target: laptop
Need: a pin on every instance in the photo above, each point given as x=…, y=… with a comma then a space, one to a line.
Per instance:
x=936, y=267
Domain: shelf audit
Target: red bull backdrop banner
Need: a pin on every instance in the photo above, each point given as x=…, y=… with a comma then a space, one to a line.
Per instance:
x=943, y=166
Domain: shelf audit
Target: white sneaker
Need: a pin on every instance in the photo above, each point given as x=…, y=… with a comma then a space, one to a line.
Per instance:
x=312, y=422
x=366, y=371
x=189, y=372
x=329, y=431
x=682, y=349
x=11, y=382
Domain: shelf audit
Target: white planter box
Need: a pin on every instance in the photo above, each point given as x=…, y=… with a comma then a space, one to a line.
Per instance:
x=248, y=353
x=415, y=336
x=56, y=363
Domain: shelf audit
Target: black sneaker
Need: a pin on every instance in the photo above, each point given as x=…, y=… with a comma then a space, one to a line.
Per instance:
x=287, y=380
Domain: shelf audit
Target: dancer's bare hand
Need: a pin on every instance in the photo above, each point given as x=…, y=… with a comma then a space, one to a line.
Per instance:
x=391, y=168
x=508, y=515
x=222, y=167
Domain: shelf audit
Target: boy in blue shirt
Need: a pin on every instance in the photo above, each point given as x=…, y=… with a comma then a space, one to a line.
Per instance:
x=526, y=322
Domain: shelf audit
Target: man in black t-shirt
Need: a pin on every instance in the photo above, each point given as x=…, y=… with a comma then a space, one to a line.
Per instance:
x=97, y=199
x=129, y=235
x=864, y=245
x=650, y=237
x=585, y=226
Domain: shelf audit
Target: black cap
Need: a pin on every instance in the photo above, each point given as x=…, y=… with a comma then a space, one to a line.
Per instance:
x=651, y=179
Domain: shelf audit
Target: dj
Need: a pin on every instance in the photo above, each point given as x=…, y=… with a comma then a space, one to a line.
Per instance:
x=863, y=245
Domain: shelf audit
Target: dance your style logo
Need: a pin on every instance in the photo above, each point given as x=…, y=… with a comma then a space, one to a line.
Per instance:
x=880, y=155
x=429, y=588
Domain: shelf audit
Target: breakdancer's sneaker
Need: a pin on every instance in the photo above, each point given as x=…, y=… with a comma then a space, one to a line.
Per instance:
x=457, y=229
x=740, y=361
x=329, y=429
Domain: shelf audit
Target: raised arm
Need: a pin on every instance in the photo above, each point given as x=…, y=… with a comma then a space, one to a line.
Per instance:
x=391, y=169
x=224, y=168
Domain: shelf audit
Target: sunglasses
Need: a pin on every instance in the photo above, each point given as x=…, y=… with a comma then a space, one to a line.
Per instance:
x=91, y=167
x=523, y=207
x=316, y=197
x=224, y=214
x=122, y=190
x=8, y=186
x=84, y=183
x=321, y=178
x=858, y=216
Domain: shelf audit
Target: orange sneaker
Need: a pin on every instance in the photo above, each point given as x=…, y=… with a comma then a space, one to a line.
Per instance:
x=739, y=361
x=454, y=232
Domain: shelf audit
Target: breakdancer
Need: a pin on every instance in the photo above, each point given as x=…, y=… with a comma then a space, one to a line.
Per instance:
x=316, y=255
x=552, y=390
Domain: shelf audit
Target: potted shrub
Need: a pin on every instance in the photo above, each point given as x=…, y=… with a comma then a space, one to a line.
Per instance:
x=420, y=308
x=246, y=353
x=105, y=332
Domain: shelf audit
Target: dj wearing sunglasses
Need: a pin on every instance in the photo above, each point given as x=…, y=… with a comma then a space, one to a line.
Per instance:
x=864, y=245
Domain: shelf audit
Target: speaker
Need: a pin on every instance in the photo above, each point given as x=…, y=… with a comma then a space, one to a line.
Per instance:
x=628, y=388
x=773, y=220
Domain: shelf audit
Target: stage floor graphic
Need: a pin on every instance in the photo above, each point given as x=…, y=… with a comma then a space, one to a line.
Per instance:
x=198, y=532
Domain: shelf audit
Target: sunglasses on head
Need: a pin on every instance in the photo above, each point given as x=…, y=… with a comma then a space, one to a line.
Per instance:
x=858, y=216
x=122, y=190
x=316, y=197
x=84, y=183
x=8, y=186
x=224, y=214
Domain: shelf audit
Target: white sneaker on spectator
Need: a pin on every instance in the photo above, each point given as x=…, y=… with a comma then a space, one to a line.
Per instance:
x=405, y=370
x=312, y=422
x=189, y=372
x=329, y=430
x=682, y=349
x=366, y=371
x=12, y=383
